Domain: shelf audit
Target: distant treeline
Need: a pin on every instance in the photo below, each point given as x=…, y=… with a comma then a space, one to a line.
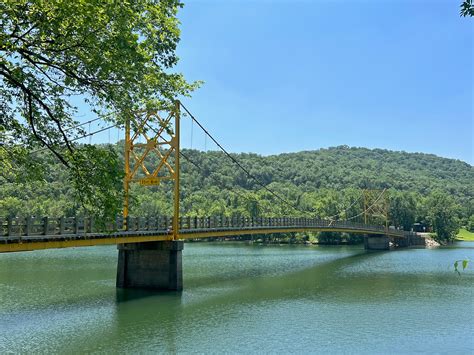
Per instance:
x=420, y=188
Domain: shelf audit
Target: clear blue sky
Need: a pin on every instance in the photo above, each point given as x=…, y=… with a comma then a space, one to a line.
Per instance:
x=284, y=76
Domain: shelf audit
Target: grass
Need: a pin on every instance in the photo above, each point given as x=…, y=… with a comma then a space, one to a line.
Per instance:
x=465, y=235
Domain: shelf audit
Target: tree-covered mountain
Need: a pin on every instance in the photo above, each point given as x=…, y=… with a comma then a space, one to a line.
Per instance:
x=324, y=182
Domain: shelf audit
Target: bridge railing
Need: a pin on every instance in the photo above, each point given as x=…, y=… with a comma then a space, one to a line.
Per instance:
x=19, y=227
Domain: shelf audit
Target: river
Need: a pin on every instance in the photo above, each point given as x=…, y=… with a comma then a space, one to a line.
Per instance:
x=242, y=298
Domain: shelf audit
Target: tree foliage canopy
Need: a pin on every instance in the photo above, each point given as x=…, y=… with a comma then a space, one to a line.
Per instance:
x=442, y=215
x=114, y=55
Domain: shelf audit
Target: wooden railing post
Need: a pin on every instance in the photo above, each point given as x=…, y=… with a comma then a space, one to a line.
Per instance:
x=45, y=226
x=28, y=225
x=19, y=227
x=61, y=225
x=9, y=226
x=127, y=225
x=76, y=225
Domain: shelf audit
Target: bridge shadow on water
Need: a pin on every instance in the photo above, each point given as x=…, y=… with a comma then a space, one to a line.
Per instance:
x=318, y=280
x=363, y=277
x=259, y=282
x=127, y=295
x=259, y=286
x=163, y=317
x=162, y=320
x=263, y=270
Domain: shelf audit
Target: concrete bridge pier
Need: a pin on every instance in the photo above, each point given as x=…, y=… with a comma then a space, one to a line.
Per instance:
x=151, y=265
x=401, y=242
x=376, y=242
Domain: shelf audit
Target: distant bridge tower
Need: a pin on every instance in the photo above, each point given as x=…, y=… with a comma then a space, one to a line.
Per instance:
x=376, y=205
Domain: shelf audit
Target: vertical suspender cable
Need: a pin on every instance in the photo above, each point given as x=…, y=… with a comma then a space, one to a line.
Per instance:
x=192, y=125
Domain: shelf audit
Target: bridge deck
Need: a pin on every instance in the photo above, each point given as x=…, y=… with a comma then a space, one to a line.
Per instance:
x=45, y=233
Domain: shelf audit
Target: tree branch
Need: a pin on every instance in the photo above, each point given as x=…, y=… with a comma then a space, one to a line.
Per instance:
x=30, y=120
x=7, y=73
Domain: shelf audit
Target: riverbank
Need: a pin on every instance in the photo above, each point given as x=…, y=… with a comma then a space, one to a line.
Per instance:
x=465, y=236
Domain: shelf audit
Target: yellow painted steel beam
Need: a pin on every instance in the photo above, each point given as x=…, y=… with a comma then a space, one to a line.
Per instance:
x=176, y=145
x=55, y=244
x=163, y=144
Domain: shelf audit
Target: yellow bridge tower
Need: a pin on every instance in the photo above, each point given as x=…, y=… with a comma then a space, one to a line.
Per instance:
x=161, y=139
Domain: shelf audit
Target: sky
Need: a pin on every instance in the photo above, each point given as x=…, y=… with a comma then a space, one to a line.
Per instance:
x=285, y=76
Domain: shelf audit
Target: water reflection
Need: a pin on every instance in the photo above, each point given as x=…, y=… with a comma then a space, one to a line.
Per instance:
x=241, y=298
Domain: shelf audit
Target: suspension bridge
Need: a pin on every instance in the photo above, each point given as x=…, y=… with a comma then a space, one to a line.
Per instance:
x=150, y=247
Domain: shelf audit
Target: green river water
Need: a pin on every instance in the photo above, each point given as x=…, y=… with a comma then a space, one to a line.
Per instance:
x=241, y=298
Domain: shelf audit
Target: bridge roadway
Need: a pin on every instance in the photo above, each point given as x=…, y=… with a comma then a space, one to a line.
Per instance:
x=22, y=234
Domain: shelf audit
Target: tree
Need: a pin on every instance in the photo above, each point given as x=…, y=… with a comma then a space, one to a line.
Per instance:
x=114, y=55
x=467, y=8
x=470, y=224
x=442, y=215
x=402, y=209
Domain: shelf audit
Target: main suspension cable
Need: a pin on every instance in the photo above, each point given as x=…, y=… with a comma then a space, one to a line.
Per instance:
x=249, y=174
x=347, y=209
x=201, y=170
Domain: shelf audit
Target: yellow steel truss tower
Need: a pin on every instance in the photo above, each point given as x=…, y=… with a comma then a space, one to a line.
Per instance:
x=376, y=204
x=161, y=140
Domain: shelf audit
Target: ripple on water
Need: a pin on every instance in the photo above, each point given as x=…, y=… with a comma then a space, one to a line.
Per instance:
x=241, y=298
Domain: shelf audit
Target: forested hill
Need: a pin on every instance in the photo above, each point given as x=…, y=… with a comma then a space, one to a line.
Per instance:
x=344, y=167
x=322, y=181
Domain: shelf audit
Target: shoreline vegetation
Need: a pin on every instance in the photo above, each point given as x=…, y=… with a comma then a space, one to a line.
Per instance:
x=305, y=240
x=341, y=239
x=465, y=236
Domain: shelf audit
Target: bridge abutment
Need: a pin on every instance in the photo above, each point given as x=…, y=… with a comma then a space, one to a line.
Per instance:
x=152, y=265
x=377, y=242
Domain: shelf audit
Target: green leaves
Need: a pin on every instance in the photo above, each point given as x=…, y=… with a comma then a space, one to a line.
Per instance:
x=322, y=182
x=97, y=180
x=467, y=8
x=442, y=215
x=115, y=55
x=464, y=263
